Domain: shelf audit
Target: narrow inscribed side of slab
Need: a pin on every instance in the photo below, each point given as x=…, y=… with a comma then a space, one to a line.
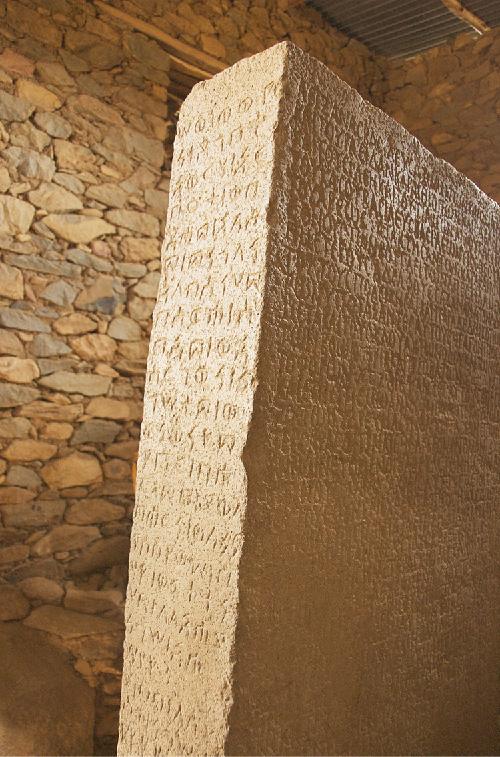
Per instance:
x=187, y=532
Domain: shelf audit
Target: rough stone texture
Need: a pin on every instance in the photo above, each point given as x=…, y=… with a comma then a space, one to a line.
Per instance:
x=15, y=215
x=11, y=428
x=65, y=538
x=10, y=344
x=92, y=602
x=68, y=624
x=96, y=431
x=318, y=436
x=15, y=553
x=76, y=228
x=14, y=108
x=11, y=282
x=18, y=371
x=40, y=695
x=13, y=605
x=100, y=555
x=45, y=512
x=54, y=199
x=12, y=395
x=91, y=511
x=107, y=148
x=41, y=97
x=81, y=383
x=18, y=319
x=26, y=450
x=39, y=588
x=78, y=469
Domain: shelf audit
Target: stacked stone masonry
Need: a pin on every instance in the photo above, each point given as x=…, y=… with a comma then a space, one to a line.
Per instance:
x=87, y=119
x=83, y=193
x=449, y=97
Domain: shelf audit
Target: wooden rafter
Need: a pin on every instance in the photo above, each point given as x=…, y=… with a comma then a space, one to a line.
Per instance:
x=464, y=14
x=188, y=58
x=188, y=68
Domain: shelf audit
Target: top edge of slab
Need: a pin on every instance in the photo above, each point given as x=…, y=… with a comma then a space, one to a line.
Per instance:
x=292, y=60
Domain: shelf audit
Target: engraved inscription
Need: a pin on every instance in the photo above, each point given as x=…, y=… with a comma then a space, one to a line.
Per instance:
x=191, y=486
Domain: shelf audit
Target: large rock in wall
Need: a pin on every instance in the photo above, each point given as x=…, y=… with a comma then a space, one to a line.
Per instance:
x=312, y=565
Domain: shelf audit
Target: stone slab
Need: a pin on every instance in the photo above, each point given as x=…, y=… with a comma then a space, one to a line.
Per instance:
x=312, y=564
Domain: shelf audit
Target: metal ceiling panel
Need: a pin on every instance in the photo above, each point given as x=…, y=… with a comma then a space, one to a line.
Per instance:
x=487, y=10
x=401, y=28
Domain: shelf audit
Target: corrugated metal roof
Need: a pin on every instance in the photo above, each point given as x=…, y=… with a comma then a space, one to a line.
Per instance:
x=487, y=10
x=401, y=28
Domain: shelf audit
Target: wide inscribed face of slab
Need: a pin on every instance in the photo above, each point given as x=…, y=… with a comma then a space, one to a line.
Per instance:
x=312, y=569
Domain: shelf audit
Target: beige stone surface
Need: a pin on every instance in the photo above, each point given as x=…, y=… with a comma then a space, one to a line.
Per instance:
x=14, y=495
x=77, y=228
x=18, y=371
x=78, y=469
x=74, y=324
x=94, y=347
x=54, y=199
x=102, y=554
x=88, y=384
x=14, y=553
x=41, y=97
x=10, y=344
x=63, y=278
x=312, y=564
x=24, y=450
x=15, y=215
x=90, y=510
x=11, y=282
x=102, y=407
x=68, y=624
x=448, y=97
x=65, y=538
x=92, y=602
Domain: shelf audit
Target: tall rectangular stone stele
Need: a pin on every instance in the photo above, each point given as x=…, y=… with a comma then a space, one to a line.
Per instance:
x=313, y=543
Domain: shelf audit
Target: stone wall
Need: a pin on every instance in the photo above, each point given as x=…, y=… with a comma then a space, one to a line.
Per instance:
x=449, y=97
x=83, y=192
x=85, y=145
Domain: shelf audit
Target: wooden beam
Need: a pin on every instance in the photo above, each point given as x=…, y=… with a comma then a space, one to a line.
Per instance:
x=189, y=69
x=188, y=54
x=181, y=80
x=177, y=100
x=461, y=12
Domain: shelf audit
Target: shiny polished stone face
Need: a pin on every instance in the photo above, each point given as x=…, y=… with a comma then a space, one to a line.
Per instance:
x=312, y=554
